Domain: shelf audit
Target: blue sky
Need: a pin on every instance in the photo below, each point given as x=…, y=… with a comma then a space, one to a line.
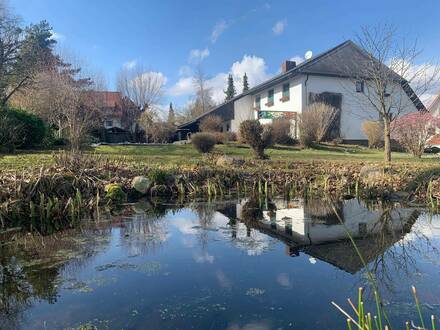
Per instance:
x=229, y=36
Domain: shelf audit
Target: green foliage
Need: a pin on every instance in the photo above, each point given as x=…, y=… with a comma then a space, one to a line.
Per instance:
x=203, y=142
x=259, y=137
x=245, y=83
x=114, y=193
x=20, y=129
x=230, y=90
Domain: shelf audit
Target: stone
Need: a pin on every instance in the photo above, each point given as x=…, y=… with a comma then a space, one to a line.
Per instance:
x=141, y=184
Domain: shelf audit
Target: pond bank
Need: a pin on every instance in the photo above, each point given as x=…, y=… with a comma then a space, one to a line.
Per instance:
x=79, y=186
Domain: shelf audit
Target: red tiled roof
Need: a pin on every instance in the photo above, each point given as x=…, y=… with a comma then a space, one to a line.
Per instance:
x=109, y=99
x=435, y=140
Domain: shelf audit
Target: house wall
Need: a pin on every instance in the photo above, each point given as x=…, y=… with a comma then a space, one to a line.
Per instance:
x=116, y=122
x=356, y=108
x=244, y=107
x=243, y=110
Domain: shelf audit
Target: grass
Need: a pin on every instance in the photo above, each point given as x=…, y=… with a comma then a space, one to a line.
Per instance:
x=187, y=155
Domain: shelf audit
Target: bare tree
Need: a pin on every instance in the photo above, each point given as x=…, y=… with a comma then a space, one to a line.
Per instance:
x=143, y=87
x=390, y=77
x=203, y=101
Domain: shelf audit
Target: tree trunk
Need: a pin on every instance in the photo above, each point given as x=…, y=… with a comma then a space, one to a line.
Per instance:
x=387, y=138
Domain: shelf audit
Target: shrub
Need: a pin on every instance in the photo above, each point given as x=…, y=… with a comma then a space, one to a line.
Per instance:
x=203, y=142
x=20, y=129
x=374, y=132
x=230, y=136
x=414, y=130
x=259, y=137
x=281, y=132
x=307, y=129
x=211, y=124
x=162, y=132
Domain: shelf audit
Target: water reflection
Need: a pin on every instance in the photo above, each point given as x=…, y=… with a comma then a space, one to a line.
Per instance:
x=314, y=228
x=197, y=243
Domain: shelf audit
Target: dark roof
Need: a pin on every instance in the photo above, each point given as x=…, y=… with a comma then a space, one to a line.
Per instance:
x=336, y=61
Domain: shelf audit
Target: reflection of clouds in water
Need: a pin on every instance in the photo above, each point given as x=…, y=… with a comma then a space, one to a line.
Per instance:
x=186, y=226
x=427, y=226
x=223, y=280
x=257, y=325
x=201, y=258
x=283, y=280
x=253, y=242
x=188, y=242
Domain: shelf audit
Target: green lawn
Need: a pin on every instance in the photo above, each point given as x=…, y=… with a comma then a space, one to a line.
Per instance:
x=187, y=155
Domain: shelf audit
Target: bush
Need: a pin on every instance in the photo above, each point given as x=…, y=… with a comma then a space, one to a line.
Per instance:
x=374, y=132
x=316, y=123
x=203, y=142
x=162, y=132
x=281, y=132
x=211, y=124
x=259, y=137
x=19, y=129
x=414, y=130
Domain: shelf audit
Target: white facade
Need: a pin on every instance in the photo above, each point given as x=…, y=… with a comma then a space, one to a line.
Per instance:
x=355, y=106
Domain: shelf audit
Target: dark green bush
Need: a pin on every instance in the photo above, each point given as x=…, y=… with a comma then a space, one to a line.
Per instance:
x=258, y=137
x=20, y=129
x=203, y=142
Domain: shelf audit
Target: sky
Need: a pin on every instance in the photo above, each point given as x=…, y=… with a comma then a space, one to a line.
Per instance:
x=169, y=37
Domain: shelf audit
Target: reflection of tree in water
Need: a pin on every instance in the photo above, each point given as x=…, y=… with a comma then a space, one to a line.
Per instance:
x=32, y=271
x=205, y=214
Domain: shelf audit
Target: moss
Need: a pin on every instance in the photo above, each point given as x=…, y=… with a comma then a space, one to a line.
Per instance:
x=114, y=193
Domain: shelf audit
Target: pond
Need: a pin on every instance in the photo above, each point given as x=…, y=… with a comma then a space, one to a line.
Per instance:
x=234, y=264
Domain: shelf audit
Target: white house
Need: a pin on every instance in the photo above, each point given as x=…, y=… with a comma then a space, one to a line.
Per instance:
x=328, y=78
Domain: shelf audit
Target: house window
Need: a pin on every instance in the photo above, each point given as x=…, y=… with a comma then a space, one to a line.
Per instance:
x=286, y=93
x=258, y=102
x=108, y=123
x=270, y=94
x=359, y=86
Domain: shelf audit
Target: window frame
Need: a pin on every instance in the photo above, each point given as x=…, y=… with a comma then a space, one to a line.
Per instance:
x=270, y=98
x=359, y=86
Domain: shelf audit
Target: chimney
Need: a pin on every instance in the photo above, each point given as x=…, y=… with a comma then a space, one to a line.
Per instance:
x=287, y=65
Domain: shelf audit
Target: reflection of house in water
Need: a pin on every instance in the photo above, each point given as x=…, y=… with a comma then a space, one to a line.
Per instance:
x=313, y=228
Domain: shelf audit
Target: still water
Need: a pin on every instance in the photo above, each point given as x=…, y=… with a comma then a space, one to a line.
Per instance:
x=236, y=264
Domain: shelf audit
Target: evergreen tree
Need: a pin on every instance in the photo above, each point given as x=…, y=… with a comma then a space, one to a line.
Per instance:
x=230, y=91
x=245, y=83
x=171, y=115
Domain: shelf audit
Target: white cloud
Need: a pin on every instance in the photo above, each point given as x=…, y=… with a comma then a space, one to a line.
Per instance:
x=279, y=27
x=130, y=64
x=204, y=257
x=255, y=68
x=184, y=86
x=219, y=28
x=298, y=59
x=58, y=36
x=158, y=77
x=198, y=54
x=185, y=71
x=424, y=78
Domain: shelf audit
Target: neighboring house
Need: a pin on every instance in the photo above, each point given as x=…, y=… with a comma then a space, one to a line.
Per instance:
x=434, y=109
x=119, y=117
x=327, y=78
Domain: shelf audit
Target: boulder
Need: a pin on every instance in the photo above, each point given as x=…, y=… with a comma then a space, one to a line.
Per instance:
x=141, y=184
x=228, y=161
